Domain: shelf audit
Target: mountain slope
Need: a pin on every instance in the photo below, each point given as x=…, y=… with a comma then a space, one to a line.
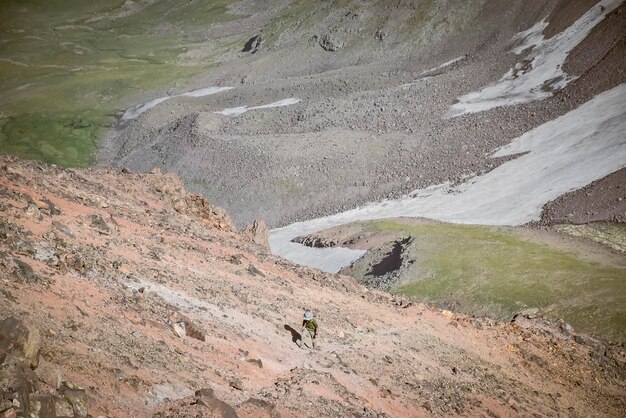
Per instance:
x=377, y=83
x=109, y=266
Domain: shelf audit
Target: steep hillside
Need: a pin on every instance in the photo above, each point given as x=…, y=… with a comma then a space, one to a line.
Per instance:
x=132, y=297
x=126, y=290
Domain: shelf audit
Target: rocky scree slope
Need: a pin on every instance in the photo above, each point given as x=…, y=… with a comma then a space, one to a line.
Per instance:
x=374, y=94
x=124, y=295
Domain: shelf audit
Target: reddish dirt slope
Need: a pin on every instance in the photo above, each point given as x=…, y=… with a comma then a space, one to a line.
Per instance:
x=108, y=265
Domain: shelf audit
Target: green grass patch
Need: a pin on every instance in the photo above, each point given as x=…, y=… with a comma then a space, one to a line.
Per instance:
x=497, y=272
x=612, y=235
x=300, y=15
x=67, y=67
x=288, y=186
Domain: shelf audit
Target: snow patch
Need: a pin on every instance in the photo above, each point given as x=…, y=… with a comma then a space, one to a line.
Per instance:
x=236, y=111
x=562, y=155
x=442, y=66
x=530, y=37
x=206, y=91
x=540, y=73
x=14, y=62
x=233, y=111
x=135, y=111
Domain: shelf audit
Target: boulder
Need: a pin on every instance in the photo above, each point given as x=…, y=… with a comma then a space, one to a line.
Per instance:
x=42, y=405
x=21, y=393
x=258, y=233
x=98, y=222
x=380, y=35
x=202, y=404
x=184, y=326
x=254, y=271
x=236, y=384
x=258, y=362
x=77, y=399
x=25, y=272
x=33, y=211
x=179, y=329
x=19, y=343
x=330, y=43
x=49, y=374
x=253, y=44
x=260, y=408
x=63, y=408
x=206, y=398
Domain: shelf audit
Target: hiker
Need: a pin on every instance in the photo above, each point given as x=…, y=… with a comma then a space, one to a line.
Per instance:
x=309, y=324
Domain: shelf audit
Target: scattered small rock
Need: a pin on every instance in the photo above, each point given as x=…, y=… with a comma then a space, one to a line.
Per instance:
x=179, y=329
x=25, y=271
x=254, y=271
x=329, y=43
x=257, y=362
x=62, y=228
x=98, y=221
x=183, y=326
x=380, y=35
x=236, y=384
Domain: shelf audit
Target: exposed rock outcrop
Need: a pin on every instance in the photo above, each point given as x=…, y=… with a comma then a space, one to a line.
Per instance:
x=202, y=404
x=186, y=203
x=330, y=43
x=25, y=391
x=259, y=233
x=253, y=44
x=19, y=344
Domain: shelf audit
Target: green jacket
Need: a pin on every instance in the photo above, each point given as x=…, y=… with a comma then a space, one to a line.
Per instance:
x=310, y=325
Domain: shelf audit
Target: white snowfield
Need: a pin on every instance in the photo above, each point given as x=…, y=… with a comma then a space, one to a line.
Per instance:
x=236, y=111
x=540, y=72
x=135, y=111
x=562, y=155
x=444, y=65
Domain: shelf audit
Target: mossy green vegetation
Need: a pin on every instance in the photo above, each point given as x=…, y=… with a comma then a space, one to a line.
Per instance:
x=299, y=14
x=499, y=272
x=67, y=67
x=68, y=60
x=610, y=234
x=287, y=185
